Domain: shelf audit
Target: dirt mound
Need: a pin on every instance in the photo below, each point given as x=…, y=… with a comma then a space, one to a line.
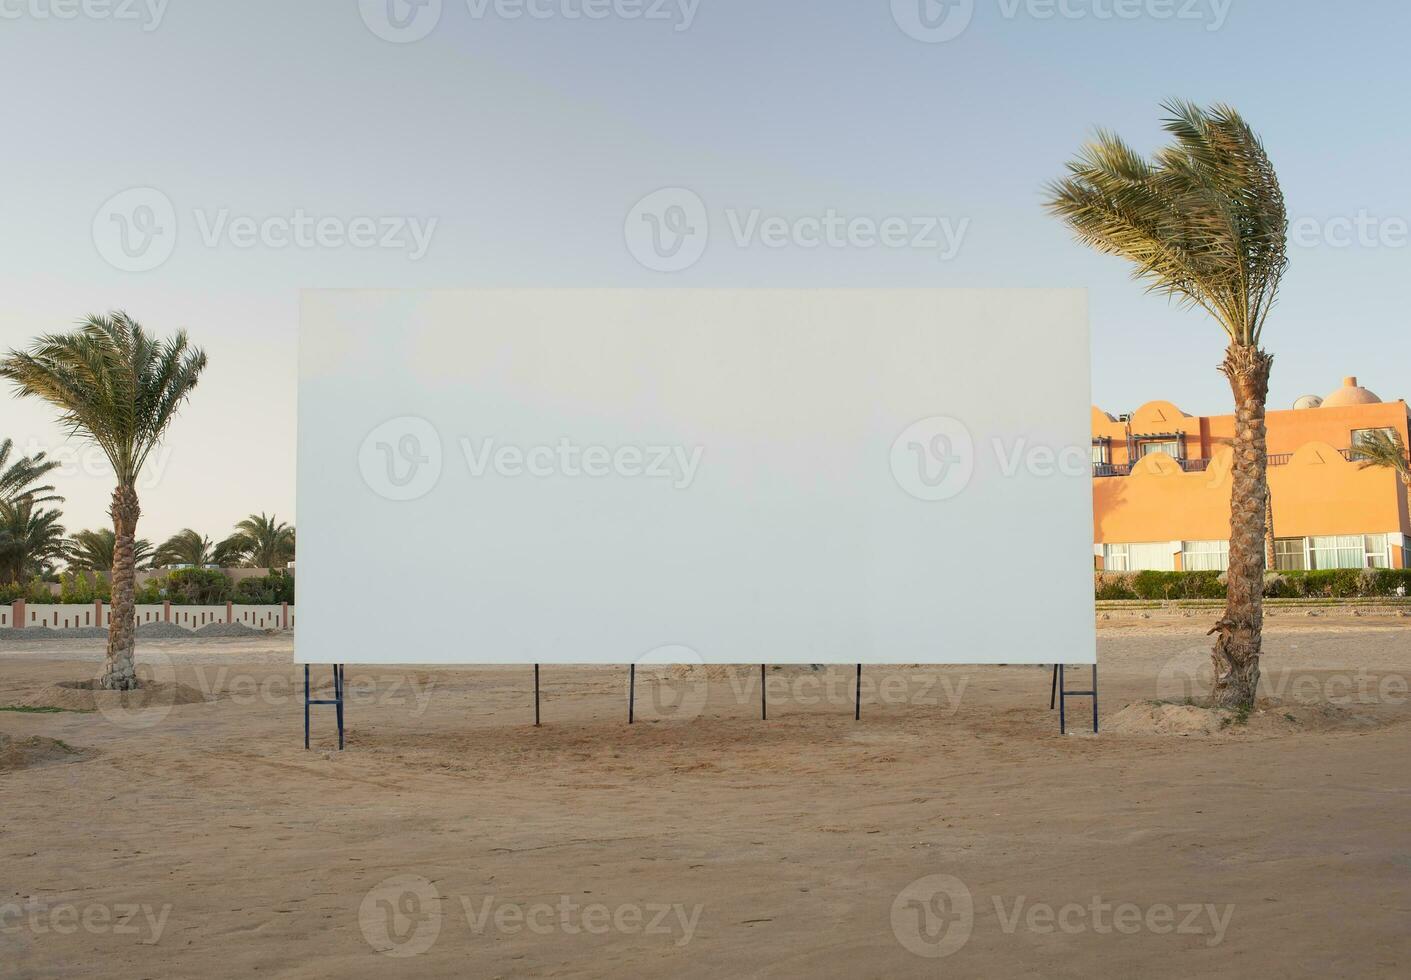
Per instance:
x=35, y=750
x=713, y=672
x=84, y=696
x=1270, y=716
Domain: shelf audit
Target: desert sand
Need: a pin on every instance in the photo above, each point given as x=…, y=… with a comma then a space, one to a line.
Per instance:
x=452, y=838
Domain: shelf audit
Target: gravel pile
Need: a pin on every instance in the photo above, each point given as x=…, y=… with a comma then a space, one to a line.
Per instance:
x=227, y=629
x=152, y=631
x=31, y=634
x=163, y=631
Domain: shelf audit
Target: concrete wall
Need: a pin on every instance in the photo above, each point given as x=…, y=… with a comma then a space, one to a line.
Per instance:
x=20, y=614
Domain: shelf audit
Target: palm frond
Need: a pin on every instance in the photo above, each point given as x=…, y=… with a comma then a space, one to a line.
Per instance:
x=1203, y=221
x=112, y=382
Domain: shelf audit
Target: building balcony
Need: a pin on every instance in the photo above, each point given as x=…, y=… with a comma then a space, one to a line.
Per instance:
x=1200, y=465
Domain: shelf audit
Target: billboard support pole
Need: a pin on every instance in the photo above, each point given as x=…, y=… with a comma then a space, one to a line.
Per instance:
x=336, y=701
x=536, y=695
x=857, y=696
x=763, y=705
x=631, y=691
x=1063, y=694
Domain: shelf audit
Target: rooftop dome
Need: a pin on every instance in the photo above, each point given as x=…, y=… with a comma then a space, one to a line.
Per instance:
x=1308, y=401
x=1350, y=394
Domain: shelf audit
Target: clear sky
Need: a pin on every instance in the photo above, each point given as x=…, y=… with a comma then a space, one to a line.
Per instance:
x=529, y=141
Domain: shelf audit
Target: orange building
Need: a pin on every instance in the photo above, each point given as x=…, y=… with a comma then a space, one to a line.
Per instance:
x=1161, y=486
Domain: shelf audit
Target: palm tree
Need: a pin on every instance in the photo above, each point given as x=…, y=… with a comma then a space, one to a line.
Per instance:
x=266, y=542
x=1204, y=223
x=231, y=552
x=185, y=547
x=18, y=479
x=93, y=550
x=31, y=539
x=120, y=387
x=1383, y=448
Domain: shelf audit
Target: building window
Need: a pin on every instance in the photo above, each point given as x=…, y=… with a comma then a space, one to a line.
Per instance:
x=1378, y=554
x=1348, y=551
x=1359, y=436
x=1205, y=556
x=1114, y=558
x=1172, y=449
x=1099, y=452
x=1139, y=556
x=1290, y=554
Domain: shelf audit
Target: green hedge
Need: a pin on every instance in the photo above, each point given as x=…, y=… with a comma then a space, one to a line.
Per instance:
x=1331, y=583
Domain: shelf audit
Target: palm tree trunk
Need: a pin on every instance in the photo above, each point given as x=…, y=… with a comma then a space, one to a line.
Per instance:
x=1237, y=647
x=120, y=672
x=1270, y=561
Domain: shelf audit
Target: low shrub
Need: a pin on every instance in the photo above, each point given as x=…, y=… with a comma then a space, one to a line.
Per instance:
x=1324, y=583
x=1114, y=585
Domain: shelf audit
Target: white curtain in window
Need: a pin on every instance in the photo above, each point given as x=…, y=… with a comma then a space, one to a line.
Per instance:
x=1338, y=551
x=1114, y=558
x=1205, y=556
x=1376, y=545
x=1155, y=555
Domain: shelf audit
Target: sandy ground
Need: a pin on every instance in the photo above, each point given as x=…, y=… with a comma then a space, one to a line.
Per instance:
x=952, y=831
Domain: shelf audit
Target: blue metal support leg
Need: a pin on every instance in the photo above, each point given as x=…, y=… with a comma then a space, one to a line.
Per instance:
x=1061, y=694
x=339, y=682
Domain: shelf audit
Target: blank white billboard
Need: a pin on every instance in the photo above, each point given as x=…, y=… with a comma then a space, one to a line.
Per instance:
x=726, y=476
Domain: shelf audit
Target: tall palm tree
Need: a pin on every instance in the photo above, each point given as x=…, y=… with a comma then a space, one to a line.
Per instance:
x=93, y=550
x=120, y=387
x=1385, y=449
x=1204, y=223
x=267, y=542
x=31, y=539
x=185, y=547
x=19, y=479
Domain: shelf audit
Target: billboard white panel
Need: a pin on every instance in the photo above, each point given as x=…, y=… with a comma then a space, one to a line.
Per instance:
x=730, y=476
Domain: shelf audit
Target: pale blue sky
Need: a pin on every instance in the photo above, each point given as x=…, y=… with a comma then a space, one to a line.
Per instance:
x=529, y=140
